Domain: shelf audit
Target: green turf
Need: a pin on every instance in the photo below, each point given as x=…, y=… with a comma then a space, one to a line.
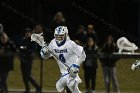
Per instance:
x=129, y=81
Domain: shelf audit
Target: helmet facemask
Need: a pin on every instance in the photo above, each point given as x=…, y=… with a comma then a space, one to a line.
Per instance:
x=60, y=38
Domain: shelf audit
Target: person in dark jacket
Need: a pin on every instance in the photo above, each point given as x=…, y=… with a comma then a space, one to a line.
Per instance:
x=27, y=49
x=7, y=51
x=80, y=35
x=109, y=65
x=90, y=65
x=92, y=33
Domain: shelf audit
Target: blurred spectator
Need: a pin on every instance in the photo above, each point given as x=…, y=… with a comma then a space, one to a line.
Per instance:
x=58, y=20
x=38, y=28
x=90, y=65
x=81, y=35
x=108, y=64
x=48, y=35
x=1, y=28
x=92, y=33
x=7, y=51
x=27, y=49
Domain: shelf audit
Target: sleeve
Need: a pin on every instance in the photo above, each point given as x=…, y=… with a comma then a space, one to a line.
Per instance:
x=79, y=51
x=32, y=46
x=13, y=47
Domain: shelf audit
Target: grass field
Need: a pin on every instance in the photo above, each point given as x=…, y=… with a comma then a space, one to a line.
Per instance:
x=129, y=81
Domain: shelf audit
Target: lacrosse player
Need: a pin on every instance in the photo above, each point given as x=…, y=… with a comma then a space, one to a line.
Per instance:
x=70, y=53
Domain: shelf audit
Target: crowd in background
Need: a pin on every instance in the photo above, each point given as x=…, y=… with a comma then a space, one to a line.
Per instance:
x=85, y=36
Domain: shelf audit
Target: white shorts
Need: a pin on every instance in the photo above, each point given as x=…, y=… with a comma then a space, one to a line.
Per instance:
x=71, y=83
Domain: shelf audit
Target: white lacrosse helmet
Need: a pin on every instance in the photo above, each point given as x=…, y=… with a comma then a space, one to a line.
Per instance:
x=124, y=44
x=60, y=34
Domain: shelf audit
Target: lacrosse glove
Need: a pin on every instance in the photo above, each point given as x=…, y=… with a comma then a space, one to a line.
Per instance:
x=44, y=52
x=73, y=70
x=135, y=65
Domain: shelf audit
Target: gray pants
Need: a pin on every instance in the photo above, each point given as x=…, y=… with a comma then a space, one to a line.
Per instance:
x=110, y=75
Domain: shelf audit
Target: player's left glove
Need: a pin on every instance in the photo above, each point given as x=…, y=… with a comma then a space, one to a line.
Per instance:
x=136, y=65
x=73, y=70
x=44, y=52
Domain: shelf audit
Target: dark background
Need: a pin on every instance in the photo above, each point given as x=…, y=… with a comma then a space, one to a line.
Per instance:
x=123, y=14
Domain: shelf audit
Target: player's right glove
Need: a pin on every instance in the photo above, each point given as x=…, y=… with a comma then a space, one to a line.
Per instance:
x=136, y=65
x=44, y=50
x=73, y=70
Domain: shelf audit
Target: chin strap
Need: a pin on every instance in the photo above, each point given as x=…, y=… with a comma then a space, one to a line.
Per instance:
x=60, y=43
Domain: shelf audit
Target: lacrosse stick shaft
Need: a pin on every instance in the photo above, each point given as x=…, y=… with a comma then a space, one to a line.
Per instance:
x=38, y=38
x=56, y=57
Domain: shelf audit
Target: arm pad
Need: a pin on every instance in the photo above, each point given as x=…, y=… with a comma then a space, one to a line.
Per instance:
x=81, y=58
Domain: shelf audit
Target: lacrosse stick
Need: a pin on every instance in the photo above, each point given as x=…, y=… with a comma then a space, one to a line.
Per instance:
x=124, y=44
x=135, y=65
x=39, y=39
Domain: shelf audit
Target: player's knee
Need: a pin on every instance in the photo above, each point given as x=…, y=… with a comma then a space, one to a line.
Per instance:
x=59, y=87
x=74, y=88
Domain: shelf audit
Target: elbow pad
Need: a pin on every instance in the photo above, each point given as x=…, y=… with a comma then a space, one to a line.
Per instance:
x=81, y=58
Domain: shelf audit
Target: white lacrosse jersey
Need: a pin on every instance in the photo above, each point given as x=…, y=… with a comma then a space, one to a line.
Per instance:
x=68, y=52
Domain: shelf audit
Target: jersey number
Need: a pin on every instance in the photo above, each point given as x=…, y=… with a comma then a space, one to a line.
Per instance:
x=61, y=57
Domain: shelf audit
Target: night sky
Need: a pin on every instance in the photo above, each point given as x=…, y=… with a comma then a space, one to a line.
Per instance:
x=122, y=14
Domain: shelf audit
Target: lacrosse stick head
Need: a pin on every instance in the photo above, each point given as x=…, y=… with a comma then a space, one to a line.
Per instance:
x=38, y=38
x=135, y=65
x=124, y=44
